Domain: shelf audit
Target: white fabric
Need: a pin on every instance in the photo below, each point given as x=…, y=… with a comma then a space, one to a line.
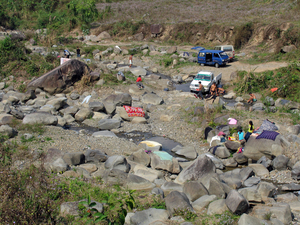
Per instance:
x=215, y=138
x=130, y=61
x=86, y=99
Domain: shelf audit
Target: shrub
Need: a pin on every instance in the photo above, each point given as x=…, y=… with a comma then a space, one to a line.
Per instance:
x=243, y=35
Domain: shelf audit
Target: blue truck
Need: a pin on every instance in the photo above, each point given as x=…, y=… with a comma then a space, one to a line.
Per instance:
x=211, y=57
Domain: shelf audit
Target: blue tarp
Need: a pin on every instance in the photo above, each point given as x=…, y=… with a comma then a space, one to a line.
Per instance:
x=198, y=48
x=163, y=155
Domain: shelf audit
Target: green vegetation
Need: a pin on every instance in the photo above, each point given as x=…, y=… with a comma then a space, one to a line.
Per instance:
x=285, y=79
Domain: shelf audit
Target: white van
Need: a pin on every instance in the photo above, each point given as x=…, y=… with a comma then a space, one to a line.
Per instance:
x=228, y=49
x=207, y=78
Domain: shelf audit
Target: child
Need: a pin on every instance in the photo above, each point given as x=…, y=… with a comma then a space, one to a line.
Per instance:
x=252, y=98
x=241, y=135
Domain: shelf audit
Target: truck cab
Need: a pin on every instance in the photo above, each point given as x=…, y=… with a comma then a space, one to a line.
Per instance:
x=207, y=78
x=212, y=57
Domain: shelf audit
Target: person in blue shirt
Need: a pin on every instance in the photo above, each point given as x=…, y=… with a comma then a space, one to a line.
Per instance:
x=241, y=135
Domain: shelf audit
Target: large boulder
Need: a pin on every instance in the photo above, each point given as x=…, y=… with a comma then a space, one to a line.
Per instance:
x=83, y=114
x=256, y=148
x=202, y=166
x=149, y=216
x=251, y=194
x=57, y=103
x=147, y=173
x=217, y=207
x=188, y=152
x=194, y=190
x=8, y=131
x=95, y=156
x=74, y=158
x=40, y=117
x=203, y=201
x=108, y=124
x=236, y=202
x=135, y=182
x=177, y=201
x=117, y=162
x=112, y=101
x=141, y=157
x=220, y=151
x=96, y=106
x=152, y=98
x=61, y=77
x=280, y=162
x=164, y=161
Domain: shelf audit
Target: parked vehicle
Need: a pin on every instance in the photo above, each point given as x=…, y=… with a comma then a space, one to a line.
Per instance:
x=212, y=57
x=207, y=78
x=228, y=49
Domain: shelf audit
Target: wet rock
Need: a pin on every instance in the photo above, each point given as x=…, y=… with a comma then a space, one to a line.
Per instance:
x=236, y=203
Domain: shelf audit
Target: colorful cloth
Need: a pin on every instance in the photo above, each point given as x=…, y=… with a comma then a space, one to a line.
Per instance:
x=240, y=150
x=134, y=111
x=266, y=134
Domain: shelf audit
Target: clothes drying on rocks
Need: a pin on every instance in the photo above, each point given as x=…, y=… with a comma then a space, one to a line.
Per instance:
x=215, y=149
x=134, y=111
x=240, y=150
x=215, y=138
x=267, y=125
x=266, y=134
x=232, y=121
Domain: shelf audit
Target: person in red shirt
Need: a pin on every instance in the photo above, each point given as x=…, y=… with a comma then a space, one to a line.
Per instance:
x=139, y=82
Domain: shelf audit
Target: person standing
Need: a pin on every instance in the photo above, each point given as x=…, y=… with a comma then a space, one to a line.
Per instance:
x=200, y=94
x=130, y=60
x=78, y=52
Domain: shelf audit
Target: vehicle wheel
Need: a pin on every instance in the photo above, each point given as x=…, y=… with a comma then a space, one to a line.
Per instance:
x=202, y=64
x=217, y=65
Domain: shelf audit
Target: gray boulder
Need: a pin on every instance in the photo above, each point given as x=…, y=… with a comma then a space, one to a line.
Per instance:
x=149, y=216
x=240, y=158
x=74, y=158
x=74, y=96
x=71, y=110
x=291, y=187
x=117, y=162
x=203, y=201
x=220, y=151
x=57, y=103
x=171, y=186
x=217, y=207
x=177, y=201
x=69, y=208
x=296, y=171
x=232, y=145
x=256, y=148
x=194, y=190
x=288, y=48
x=112, y=101
x=135, y=182
x=152, y=98
x=265, y=161
x=40, y=117
x=280, y=162
x=266, y=189
x=218, y=163
x=164, y=161
x=203, y=165
x=59, y=165
x=246, y=219
x=188, y=152
x=157, y=191
x=8, y=131
x=141, y=157
x=251, y=181
x=83, y=114
x=138, y=71
x=96, y=106
x=18, y=114
x=104, y=134
x=108, y=124
x=236, y=203
x=95, y=156
x=251, y=194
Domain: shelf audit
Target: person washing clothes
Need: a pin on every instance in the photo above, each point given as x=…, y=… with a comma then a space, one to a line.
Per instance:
x=139, y=82
x=252, y=98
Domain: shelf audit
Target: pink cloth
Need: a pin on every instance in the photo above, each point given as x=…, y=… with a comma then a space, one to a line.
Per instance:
x=221, y=133
x=134, y=111
x=232, y=122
